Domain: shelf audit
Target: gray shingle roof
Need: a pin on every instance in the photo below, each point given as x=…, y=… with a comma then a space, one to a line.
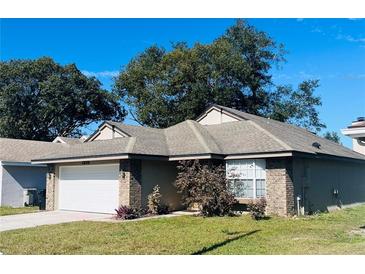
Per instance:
x=17, y=150
x=71, y=141
x=252, y=134
x=99, y=148
x=297, y=138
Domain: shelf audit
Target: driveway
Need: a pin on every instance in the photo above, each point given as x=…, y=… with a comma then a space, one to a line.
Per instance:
x=47, y=218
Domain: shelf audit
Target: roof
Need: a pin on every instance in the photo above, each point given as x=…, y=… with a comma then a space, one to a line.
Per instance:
x=297, y=138
x=68, y=140
x=250, y=135
x=18, y=150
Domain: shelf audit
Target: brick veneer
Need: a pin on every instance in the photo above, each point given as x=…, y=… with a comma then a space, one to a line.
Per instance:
x=279, y=186
x=50, y=188
x=130, y=192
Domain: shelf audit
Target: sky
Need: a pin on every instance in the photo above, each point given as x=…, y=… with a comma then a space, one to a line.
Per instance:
x=331, y=50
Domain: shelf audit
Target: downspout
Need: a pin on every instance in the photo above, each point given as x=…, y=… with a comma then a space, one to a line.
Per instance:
x=113, y=132
x=298, y=205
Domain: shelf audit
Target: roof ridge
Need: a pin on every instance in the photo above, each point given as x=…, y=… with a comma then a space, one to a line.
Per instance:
x=27, y=140
x=131, y=143
x=166, y=144
x=198, y=135
x=285, y=145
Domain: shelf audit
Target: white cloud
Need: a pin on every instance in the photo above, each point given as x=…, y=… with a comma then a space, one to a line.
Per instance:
x=351, y=39
x=303, y=75
x=101, y=74
x=282, y=76
x=316, y=29
x=359, y=76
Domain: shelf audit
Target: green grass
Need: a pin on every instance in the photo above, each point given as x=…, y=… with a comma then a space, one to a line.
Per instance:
x=332, y=233
x=7, y=210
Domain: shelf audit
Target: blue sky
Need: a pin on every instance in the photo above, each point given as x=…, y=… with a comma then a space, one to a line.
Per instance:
x=331, y=50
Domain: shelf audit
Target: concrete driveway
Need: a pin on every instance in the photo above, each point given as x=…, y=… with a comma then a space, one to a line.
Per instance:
x=11, y=222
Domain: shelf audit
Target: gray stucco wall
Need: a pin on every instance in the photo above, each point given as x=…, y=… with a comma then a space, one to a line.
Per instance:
x=160, y=173
x=16, y=179
x=316, y=179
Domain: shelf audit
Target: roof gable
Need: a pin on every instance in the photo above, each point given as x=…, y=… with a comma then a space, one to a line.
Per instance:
x=107, y=130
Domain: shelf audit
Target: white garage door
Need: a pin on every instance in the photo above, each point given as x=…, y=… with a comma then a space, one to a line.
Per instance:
x=91, y=188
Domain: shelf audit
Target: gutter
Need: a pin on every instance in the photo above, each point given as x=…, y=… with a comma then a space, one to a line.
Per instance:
x=24, y=164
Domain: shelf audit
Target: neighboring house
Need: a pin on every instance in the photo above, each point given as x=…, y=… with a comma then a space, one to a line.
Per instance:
x=295, y=170
x=357, y=132
x=21, y=182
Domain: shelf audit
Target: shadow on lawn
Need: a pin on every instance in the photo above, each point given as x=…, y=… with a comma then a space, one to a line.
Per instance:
x=207, y=249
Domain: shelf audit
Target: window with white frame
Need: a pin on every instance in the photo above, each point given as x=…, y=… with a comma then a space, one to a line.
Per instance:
x=247, y=177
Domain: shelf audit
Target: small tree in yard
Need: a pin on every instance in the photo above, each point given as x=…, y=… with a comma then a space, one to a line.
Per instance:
x=205, y=185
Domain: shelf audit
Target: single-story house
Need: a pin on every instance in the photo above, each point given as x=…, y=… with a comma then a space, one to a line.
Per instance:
x=23, y=183
x=294, y=169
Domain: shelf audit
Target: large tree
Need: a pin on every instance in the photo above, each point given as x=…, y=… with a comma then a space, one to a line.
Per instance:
x=40, y=99
x=332, y=136
x=166, y=87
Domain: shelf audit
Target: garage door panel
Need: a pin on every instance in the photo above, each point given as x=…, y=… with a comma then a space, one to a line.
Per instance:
x=92, y=188
x=89, y=172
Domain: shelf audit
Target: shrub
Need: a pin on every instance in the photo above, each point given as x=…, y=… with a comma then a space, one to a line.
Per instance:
x=128, y=213
x=163, y=209
x=154, y=200
x=205, y=185
x=257, y=209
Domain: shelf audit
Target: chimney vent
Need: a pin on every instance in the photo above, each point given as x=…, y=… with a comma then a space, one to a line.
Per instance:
x=316, y=145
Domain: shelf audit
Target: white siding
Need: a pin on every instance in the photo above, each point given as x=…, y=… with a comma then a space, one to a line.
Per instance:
x=216, y=117
x=358, y=146
x=107, y=133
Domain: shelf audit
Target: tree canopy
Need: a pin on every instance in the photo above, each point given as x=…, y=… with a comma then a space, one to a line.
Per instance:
x=166, y=87
x=332, y=136
x=40, y=99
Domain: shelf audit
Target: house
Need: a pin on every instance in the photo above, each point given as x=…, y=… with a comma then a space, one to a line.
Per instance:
x=357, y=132
x=295, y=170
x=20, y=181
x=23, y=183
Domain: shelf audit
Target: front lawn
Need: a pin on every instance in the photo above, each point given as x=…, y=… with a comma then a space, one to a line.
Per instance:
x=334, y=233
x=7, y=210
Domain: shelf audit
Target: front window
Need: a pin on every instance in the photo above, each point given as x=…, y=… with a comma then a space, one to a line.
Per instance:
x=247, y=177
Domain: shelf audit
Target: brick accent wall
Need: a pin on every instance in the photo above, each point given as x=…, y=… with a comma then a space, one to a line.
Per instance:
x=50, y=188
x=130, y=191
x=279, y=186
